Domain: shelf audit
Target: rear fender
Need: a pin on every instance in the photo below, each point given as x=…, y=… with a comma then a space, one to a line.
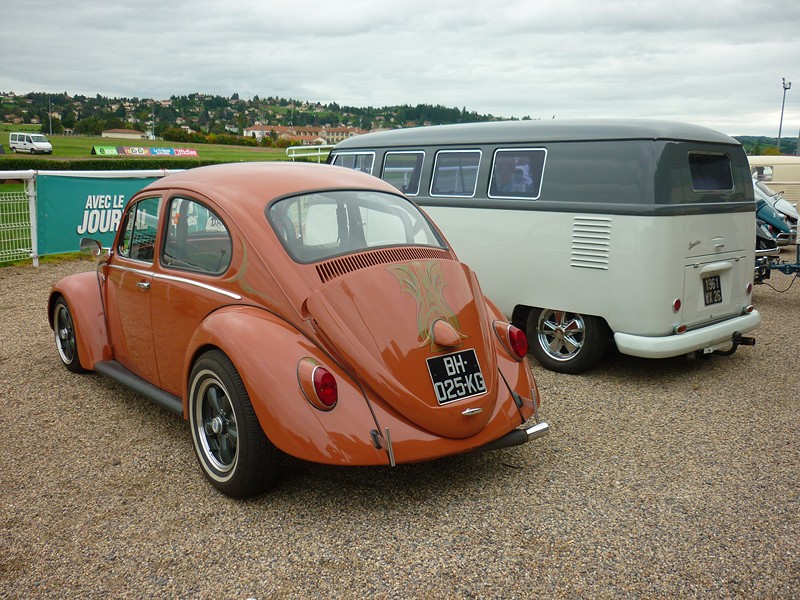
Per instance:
x=82, y=293
x=266, y=351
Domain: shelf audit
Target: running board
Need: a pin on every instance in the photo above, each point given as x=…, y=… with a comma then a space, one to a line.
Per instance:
x=113, y=370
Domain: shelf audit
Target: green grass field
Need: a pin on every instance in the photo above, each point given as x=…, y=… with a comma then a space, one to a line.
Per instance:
x=75, y=147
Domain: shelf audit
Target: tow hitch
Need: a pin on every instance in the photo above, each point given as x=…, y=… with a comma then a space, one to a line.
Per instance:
x=737, y=340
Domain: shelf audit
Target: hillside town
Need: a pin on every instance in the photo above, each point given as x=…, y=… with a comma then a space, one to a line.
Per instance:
x=261, y=119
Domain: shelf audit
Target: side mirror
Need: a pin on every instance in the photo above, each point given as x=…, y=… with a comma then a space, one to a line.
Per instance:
x=90, y=246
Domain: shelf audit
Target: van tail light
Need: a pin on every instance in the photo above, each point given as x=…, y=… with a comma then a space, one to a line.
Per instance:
x=318, y=384
x=749, y=288
x=676, y=305
x=748, y=309
x=513, y=338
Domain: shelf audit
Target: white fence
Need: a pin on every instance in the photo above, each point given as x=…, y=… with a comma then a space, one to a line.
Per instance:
x=18, y=220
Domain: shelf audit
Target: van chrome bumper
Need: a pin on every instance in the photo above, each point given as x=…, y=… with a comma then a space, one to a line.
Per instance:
x=711, y=337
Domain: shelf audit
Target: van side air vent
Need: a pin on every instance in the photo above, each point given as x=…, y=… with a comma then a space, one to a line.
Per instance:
x=332, y=269
x=591, y=241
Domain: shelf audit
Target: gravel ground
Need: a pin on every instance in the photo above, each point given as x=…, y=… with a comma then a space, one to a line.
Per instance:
x=659, y=479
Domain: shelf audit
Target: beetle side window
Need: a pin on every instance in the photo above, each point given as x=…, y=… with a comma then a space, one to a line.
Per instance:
x=197, y=239
x=402, y=170
x=710, y=172
x=455, y=173
x=139, y=230
x=517, y=173
x=360, y=161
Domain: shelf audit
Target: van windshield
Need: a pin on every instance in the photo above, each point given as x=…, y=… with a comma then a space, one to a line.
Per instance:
x=38, y=138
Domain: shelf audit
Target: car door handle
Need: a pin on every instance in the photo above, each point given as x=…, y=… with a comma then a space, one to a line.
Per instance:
x=144, y=285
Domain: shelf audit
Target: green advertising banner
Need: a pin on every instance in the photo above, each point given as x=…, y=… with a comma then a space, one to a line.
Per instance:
x=70, y=208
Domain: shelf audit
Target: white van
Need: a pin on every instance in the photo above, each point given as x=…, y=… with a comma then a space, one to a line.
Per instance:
x=780, y=173
x=33, y=143
x=581, y=231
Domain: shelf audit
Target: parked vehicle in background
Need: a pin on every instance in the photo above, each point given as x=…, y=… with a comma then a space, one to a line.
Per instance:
x=33, y=143
x=581, y=230
x=301, y=309
x=783, y=207
x=780, y=173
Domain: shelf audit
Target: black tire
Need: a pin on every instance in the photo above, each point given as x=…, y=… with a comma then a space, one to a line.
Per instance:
x=233, y=451
x=566, y=342
x=66, y=339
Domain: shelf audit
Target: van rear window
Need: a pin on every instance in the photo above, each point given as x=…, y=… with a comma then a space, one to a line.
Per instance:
x=455, y=173
x=711, y=172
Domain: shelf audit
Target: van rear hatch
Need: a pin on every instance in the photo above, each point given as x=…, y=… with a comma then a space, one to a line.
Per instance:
x=718, y=267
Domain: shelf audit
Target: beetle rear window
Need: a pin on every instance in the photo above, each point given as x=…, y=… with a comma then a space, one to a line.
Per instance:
x=315, y=227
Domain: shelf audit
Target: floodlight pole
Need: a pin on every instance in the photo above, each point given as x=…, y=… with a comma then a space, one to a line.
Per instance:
x=787, y=85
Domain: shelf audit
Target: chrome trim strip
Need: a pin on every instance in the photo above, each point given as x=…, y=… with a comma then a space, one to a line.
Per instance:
x=132, y=270
x=199, y=284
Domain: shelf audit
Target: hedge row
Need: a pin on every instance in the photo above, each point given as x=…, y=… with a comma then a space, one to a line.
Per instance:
x=102, y=164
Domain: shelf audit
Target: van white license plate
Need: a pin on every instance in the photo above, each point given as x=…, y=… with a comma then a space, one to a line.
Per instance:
x=712, y=291
x=456, y=376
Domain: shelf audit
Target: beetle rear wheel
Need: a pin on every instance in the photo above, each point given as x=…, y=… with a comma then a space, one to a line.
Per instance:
x=66, y=340
x=566, y=342
x=232, y=449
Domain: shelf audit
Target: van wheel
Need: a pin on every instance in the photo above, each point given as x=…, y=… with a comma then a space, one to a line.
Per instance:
x=233, y=451
x=566, y=342
x=13, y=150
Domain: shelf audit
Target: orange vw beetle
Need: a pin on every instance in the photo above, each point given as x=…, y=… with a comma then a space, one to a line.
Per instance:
x=297, y=308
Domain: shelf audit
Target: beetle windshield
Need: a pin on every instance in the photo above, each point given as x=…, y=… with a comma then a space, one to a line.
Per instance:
x=318, y=226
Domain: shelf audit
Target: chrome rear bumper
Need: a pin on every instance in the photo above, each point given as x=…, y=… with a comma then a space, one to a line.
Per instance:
x=517, y=437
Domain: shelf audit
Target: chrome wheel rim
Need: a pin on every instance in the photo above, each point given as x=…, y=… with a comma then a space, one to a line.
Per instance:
x=561, y=334
x=215, y=429
x=65, y=334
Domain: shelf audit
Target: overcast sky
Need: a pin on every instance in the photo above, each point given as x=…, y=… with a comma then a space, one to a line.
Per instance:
x=717, y=63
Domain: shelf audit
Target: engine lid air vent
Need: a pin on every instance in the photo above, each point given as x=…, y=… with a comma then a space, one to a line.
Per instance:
x=336, y=267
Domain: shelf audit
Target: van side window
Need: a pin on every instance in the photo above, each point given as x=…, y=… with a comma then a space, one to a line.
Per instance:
x=517, y=173
x=197, y=239
x=762, y=173
x=455, y=173
x=139, y=230
x=360, y=161
x=711, y=172
x=402, y=170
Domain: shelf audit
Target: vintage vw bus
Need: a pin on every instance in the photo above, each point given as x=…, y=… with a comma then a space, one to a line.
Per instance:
x=642, y=231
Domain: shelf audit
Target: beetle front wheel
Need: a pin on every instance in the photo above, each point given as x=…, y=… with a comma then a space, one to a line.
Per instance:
x=232, y=449
x=566, y=342
x=66, y=339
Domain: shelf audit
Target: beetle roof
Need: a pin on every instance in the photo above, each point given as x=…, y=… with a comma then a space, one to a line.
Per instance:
x=251, y=184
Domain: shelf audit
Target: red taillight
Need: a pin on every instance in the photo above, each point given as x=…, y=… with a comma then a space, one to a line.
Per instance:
x=318, y=384
x=513, y=338
x=676, y=305
x=518, y=341
x=325, y=386
x=749, y=288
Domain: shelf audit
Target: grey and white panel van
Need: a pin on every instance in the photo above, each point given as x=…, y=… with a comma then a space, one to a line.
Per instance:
x=33, y=143
x=636, y=231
